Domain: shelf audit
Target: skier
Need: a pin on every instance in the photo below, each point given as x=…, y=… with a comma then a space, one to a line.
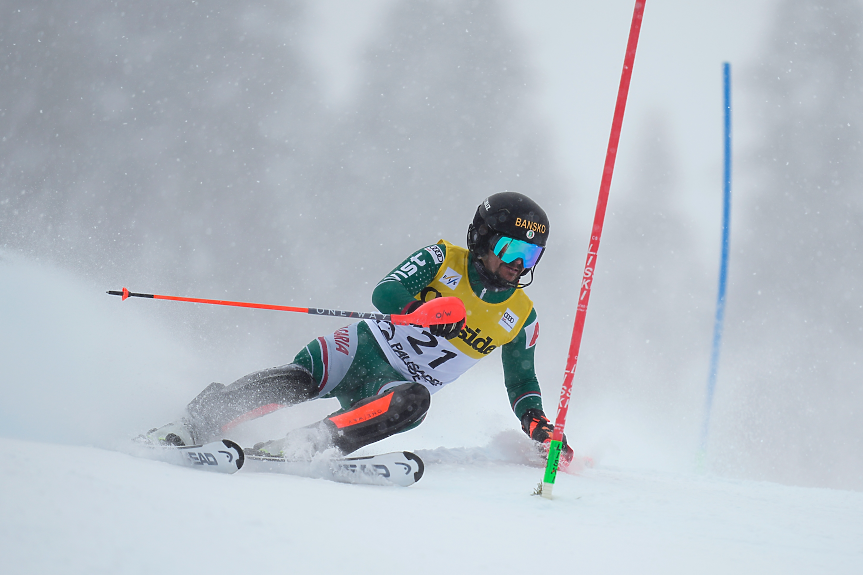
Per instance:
x=383, y=374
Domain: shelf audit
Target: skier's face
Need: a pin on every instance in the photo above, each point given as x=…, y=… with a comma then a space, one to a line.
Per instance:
x=509, y=272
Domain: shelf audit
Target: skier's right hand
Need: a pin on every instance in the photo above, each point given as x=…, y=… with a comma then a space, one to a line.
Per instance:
x=445, y=330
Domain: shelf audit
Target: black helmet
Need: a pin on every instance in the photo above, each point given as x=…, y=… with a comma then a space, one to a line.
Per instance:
x=511, y=215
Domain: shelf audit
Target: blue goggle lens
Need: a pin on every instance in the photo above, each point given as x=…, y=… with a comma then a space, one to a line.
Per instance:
x=510, y=249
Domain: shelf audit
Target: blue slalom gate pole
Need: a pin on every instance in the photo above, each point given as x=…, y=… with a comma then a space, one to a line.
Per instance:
x=723, y=267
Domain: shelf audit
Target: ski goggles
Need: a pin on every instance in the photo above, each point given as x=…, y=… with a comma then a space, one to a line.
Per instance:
x=510, y=249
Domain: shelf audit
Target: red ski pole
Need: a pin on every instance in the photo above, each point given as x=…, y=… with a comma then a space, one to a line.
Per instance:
x=593, y=248
x=437, y=311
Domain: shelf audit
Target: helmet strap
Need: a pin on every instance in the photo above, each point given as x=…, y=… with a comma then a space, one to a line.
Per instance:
x=521, y=285
x=493, y=282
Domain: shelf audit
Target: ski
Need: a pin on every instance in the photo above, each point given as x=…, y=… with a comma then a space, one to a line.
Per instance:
x=401, y=468
x=223, y=456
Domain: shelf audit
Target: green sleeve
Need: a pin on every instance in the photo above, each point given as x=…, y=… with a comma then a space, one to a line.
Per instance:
x=407, y=279
x=519, y=372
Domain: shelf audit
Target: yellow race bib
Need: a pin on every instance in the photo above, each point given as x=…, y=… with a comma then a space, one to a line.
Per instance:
x=488, y=325
x=435, y=361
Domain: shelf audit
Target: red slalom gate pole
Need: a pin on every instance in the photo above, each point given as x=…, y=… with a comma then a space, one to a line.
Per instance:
x=436, y=311
x=592, y=250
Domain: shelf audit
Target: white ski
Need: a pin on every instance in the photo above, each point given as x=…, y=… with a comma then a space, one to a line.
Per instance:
x=397, y=468
x=223, y=456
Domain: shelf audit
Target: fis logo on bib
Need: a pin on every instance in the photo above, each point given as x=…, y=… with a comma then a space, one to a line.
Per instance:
x=450, y=278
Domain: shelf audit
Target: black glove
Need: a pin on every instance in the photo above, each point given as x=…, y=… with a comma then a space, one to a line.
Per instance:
x=537, y=426
x=445, y=330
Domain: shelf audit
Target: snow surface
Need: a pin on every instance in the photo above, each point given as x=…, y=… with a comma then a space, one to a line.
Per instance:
x=83, y=372
x=75, y=509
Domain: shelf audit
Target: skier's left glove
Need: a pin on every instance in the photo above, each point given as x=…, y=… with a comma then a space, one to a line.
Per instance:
x=445, y=330
x=537, y=426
